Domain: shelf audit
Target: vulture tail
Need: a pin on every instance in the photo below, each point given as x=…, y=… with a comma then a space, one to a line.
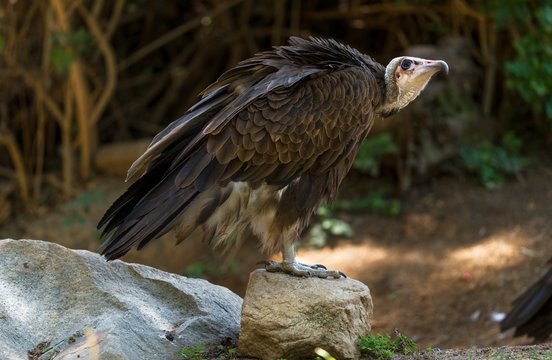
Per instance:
x=156, y=200
x=138, y=218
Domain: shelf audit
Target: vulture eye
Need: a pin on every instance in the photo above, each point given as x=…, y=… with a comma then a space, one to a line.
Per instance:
x=405, y=65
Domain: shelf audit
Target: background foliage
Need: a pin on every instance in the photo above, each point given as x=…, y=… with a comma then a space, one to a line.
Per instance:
x=80, y=74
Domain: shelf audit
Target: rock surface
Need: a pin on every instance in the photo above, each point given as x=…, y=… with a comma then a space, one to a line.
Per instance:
x=285, y=316
x=68, y=304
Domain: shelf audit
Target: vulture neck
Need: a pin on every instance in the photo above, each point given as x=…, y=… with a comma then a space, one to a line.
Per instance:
x=395, y=98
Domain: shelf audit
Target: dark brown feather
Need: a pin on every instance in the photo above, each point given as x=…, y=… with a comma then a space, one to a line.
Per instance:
x=226, y=152
x=191, y=169
x=208, y=210
x=210, y=174
x=532, y=311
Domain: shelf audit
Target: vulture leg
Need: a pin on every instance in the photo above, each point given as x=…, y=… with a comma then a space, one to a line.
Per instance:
x=291, y=267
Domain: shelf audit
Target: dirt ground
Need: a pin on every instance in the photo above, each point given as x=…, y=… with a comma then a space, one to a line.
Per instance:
x=437, y=272
x=533, y=352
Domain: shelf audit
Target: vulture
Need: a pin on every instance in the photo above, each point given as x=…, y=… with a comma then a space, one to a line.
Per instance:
x=266, y=144
x=532, y=311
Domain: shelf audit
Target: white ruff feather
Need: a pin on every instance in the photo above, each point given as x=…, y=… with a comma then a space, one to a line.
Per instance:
x=245, y=209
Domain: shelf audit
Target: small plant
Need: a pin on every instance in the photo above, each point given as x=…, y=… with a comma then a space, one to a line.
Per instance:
x=194, y=352
x=327, y=224
x=205, y=351
x=226, y=352
x=67, y=46
x=376, y=201
x=197, y=269
x=533, y=355
x=207, y=268
x=78, y=209
x=529, y=74
x=405, y=345
x=86, y=199
x=378, y=346
x=372, y=151
x=331, y=225
x=529, y=69
x=384, y=346
x=493, y=163
x=430, y=350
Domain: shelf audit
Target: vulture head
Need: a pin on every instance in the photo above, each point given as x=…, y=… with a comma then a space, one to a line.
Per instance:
x=405, y=78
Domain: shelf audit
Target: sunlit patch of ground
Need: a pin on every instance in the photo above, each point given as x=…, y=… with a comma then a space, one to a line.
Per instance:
x=349, y=258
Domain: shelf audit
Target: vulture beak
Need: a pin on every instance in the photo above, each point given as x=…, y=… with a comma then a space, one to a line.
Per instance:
x=419, y=72
x=434, y=66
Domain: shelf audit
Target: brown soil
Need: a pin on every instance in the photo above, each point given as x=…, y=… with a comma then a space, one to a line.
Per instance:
x=457, y=253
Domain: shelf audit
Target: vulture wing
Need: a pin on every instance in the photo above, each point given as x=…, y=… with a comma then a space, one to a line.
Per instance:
x=532, y=312
x=291, y=118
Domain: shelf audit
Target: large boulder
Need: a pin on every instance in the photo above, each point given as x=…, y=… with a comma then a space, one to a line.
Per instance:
x=67, y=304
x=286, y=316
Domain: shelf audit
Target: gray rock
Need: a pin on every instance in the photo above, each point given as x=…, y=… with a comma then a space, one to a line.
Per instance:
x=285, y=316
x=69, y=304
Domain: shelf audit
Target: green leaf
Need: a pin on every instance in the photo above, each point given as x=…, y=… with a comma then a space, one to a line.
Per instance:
x=529, y=74
x=2, y=43
x=85, y=199
x=376, y=201
x=372, y=151
x=194, y=352
x=491, y=164
x=197, y=269
x=81, y=40
x=324, y=211
x=512, y=142
x=61, y=58
x=549, y=109
x=378, y=346
x=337, y=227
x=384, y=346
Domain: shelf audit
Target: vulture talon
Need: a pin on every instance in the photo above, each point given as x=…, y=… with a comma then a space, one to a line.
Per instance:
x=300, y=270
x=271, y=266
x=319, y=266
x=264, y=262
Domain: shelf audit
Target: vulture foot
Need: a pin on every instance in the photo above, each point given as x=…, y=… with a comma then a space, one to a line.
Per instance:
x=301, y=270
